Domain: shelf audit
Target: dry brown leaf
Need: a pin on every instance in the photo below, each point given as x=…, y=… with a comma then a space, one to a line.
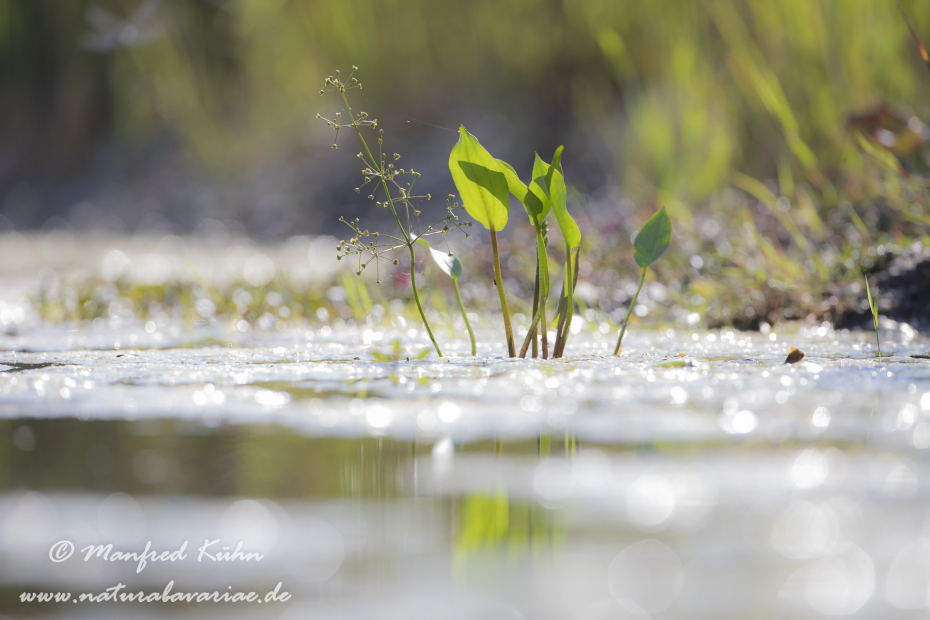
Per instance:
x=794, y=356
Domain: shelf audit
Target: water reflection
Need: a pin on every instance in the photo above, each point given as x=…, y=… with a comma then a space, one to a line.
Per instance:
x=547, y=528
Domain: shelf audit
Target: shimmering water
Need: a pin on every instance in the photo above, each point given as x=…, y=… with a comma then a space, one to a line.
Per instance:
x=696, y=476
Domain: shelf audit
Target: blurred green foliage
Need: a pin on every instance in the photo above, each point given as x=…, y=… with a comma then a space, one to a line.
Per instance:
x=733, y=112
x=680, y=92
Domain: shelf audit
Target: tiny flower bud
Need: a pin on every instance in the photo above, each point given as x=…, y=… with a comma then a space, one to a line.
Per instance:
x=396, y=262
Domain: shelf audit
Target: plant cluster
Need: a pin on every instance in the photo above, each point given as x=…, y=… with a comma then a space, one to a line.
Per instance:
x=485, y=185
x=387, y=193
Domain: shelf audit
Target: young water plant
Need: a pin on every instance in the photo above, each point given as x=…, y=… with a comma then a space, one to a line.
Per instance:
x=482, y=185
x=387, y=193
x=537, y=205
x=452, y=267
x=546, y=193
x=874, y=308
x=650, y=243
x=572, y=236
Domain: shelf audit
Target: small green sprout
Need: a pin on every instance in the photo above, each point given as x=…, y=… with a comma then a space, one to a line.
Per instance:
x=451, y=266
x=874, y=308
x=482, y=184
x=650, y=243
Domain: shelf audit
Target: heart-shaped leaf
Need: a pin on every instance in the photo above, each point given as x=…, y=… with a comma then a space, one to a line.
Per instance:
x=652, y=241
x=450, y=265
x=480, y=181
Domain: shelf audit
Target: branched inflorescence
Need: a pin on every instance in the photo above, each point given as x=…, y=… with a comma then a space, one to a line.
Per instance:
x=393, y=189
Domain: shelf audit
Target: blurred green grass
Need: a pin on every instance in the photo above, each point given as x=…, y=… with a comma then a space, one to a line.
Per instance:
x=731, y=113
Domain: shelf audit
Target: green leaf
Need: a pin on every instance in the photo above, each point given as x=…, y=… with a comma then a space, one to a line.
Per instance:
x=542, y=179
x=566, y=224
x=480, y=181
x=872, y=306
x=557, y=160
x=450, y=265
x=540, y=184
x=530, y=201
x=653, y=239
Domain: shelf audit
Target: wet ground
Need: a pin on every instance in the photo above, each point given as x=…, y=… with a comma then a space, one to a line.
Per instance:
x=695, y=476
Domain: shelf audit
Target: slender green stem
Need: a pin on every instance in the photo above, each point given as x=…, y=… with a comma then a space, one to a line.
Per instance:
x=879, y=344
x=532, y=332
x=629, y=311
x=568, y=287
x=508, y=330
x=471, y=334
x=416, y=297
x=408, y=240
x=544, y=329
x=540, y=299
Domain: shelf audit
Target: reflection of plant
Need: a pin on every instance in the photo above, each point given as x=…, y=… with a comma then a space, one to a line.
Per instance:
x=650, y=243
x=382, y=172
x=495, y=524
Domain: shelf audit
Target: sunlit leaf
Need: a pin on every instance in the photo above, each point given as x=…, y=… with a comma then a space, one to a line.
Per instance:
x=529, y=200
x=653, y=239
x=567, y=225
x=542, y=179
x=450, y=265
x=480, y=181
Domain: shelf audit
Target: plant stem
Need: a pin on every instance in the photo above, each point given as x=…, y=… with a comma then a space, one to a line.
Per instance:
x=629, y=311
x=532, y=332
x=566, y=312
x=508, y=330
x=407, y=237
x=539, y=302
x=471, y=334
x=416, y=297
x=879, y=344
x=544, y=328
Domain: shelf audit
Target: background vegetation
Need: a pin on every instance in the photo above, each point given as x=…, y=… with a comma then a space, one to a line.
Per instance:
x=734, y=114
